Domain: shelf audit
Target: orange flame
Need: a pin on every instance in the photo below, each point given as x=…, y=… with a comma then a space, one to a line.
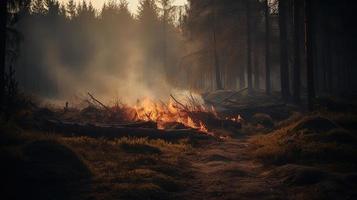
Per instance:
x=149, y=110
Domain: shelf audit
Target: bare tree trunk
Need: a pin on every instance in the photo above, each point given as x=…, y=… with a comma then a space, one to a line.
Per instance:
x=242, y=78
x=256, y=69
x=284, y=63
x=249, y=50
x=309, y=54
x=3, y=20
x=267, y=48
x=216, y=61
x=164, y=42
x=297, y=64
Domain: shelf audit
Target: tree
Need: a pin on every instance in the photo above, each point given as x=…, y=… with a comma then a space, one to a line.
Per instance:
x=267, y=47
x=249, y=48
x=148, y=11
x=14, y=5
x=71, y=9
x=38, y=7
x=166, y=7
x=148, y=17
x=63, y=11
x=309, y=54
x=3, y=22
x=124, y=14
x=296, y=80
x=53, y=8
x=284, y=63
x=215, y=53
x=85, y=11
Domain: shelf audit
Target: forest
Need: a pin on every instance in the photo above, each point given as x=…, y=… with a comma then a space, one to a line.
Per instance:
x=206, y=99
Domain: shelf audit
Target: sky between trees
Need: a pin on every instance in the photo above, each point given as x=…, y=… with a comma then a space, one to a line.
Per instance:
x=133, y=4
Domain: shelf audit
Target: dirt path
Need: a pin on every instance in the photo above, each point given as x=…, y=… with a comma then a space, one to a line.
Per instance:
x=223, y=170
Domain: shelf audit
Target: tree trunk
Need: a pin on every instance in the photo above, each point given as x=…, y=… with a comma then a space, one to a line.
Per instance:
x=256, y=69
x=297, y=64
x=241, y=77
x=216, y=61
x=164, y=39
x=3, y=20
x=267, y=48
x=284, y=63
x=249, y=50
x=309, y=54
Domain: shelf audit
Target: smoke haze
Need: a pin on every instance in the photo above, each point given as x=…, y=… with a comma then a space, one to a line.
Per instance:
x=113, y=55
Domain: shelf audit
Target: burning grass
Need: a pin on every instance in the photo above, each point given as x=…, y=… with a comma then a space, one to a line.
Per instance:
x=185, y=113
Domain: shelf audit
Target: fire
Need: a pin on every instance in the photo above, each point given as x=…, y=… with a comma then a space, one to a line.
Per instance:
x=149, y=110
x=238, y=118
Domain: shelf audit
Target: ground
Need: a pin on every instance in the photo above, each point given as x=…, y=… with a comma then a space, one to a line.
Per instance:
x=304, y=156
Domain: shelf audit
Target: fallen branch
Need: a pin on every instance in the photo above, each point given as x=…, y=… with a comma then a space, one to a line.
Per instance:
x=140, y=124
x=183, y=106
x=232, y=95
x=97, y=101
x=110, y=131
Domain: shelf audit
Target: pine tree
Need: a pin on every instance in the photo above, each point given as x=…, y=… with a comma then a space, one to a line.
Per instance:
x=267, y=47
x=309, y=54
x=91, y=11
x=148, y=11
x=71, y=9
x=284, y=62
x=3, y=20
x=296, y=78
x=249, y=48
x=53, y=8
x=166, y=8
x=38, y=7
x=123, y=12
x=63, y=11
x=86, y=11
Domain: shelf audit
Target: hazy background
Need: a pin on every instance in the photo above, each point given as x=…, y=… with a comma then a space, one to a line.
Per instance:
x=69, y=50
x=110, y=52
x=133, y=4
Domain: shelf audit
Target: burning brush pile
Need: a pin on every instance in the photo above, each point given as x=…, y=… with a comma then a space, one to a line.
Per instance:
x=176, y=115
x=186, y=114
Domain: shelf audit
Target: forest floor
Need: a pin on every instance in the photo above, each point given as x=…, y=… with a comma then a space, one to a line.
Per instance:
x=225, y=170
x=304, y=156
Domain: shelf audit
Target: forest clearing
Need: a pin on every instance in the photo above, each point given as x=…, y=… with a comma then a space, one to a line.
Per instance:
x=267, y=153
x=178, y=99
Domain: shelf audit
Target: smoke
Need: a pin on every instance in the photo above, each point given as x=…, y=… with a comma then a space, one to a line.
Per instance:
x=113, y=57
x=128, y=80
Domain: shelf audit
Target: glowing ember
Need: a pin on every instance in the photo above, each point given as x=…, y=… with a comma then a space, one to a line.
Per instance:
x=235, y=119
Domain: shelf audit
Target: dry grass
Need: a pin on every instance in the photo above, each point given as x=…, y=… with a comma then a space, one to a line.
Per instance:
x=314, y=157
x=133, y=168
x=312, y=139
x=82, y=167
